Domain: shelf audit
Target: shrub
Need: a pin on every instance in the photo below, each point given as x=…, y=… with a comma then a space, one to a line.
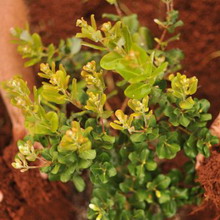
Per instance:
x=123, y=152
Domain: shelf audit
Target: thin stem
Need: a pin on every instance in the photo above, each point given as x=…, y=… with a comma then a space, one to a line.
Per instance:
x=161, y=38
x=124, y=104
x=110, y=81
x=109, y=108
x=125, y=9
x=168, y=6
x=50, y=105
x=119, y=12
x=180, y=128
x=160, y=116
x=171, y=5
x=40, y=166
x=103, y=126
x=41, y=159
x=145, y=120
x=74, y=102
x=184, y=130
x=139, y=131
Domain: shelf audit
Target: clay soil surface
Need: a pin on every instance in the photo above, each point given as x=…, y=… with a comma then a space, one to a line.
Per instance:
x=29, y=197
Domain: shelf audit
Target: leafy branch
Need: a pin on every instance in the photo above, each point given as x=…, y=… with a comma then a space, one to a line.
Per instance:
x=122, y=150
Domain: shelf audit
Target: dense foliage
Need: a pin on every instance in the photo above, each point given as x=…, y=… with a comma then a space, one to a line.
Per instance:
x=123, y=151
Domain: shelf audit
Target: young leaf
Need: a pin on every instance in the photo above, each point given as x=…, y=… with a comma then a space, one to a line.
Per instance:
x=161, y=181
x=88, y=155
x=166, y=150
x=110, y=60
x=137, y=90
x=169, y=208
x=187, y=104
x=79, y=183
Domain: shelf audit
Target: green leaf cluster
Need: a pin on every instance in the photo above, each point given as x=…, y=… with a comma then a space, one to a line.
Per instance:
x=68, y=52
x=121, y=144
x=171, y=22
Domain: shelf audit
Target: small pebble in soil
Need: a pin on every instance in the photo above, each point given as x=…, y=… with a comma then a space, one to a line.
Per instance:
x=44, y=176
x=1, y=196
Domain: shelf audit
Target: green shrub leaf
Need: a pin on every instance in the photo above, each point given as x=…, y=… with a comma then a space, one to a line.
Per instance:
x=137, y=90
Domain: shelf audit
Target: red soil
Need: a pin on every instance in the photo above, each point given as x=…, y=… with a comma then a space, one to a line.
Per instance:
x=29, y=197
x=209, y=177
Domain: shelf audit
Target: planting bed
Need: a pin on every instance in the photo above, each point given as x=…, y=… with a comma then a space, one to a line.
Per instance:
x=27, y=195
